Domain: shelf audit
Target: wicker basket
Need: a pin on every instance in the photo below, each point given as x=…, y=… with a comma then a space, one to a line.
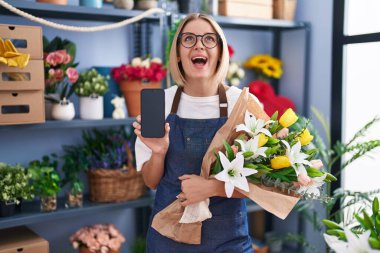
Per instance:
x=108, y=185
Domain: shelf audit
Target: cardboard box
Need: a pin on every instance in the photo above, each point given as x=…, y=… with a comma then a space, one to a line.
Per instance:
x=28, y=39
x=22, y=107
x=260, y=9
x=22, y=239
x=29, y=78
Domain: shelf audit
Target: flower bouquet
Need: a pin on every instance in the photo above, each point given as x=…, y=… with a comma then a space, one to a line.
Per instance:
x=267, y=170
x=364, y=236
x=139, y=74
x=103, y=238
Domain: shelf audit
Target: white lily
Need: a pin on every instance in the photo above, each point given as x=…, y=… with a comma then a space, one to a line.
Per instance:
x=354, y=244
x=296, y=157
x=234, y=174
x=253, y=146
x=254, y=126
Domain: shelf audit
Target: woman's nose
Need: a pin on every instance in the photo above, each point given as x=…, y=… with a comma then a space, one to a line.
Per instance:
x=199, y=44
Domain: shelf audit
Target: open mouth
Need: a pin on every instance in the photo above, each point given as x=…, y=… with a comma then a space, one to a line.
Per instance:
x=199, y=60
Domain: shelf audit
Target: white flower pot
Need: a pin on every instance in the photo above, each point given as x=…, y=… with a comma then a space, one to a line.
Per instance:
x=91, y=107
x=63, y=111
x=49, y=105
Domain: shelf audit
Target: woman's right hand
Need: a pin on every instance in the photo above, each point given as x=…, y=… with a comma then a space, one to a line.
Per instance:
x=157, y=145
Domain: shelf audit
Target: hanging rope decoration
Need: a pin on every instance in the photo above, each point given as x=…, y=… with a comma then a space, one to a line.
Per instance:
x=80, y=28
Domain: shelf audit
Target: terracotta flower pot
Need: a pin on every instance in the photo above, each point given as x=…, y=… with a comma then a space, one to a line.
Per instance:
x=131, y=91
x=86, y=250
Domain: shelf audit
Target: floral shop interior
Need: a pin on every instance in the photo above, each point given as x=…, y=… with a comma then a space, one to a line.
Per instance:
x=71, y=73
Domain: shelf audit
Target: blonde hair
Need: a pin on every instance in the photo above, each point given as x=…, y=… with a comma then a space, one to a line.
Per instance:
x=222, y=68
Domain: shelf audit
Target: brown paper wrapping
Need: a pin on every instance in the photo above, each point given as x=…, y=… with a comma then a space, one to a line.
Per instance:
x=166, y=222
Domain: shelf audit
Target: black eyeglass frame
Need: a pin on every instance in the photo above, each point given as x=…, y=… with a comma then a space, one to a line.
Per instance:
x=218, y=38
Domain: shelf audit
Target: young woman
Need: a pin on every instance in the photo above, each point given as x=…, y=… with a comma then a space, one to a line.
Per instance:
x=195, y=110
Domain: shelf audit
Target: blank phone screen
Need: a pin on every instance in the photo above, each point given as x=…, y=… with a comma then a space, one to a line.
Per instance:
x=153, y=113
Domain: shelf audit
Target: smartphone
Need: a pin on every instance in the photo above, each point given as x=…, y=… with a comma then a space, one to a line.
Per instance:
x=153, y=113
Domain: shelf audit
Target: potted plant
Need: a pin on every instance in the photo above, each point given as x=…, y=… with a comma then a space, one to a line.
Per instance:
x=139, y=74
x=90, y=87
x=14, y=187
x=98, y=238
x=60, y=74
x=45, y=181
x=74, y=163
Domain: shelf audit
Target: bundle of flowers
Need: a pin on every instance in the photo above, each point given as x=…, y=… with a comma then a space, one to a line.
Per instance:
x=145, y=70
x=363, y=236
x=258, y=157
x=98, y=238
x=265, y=66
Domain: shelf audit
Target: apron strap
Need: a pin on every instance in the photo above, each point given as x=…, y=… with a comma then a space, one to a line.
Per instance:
x=223, y=105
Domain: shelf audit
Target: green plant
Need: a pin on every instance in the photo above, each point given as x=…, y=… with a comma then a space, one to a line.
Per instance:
x=74, y=162
x=139, y=245
x=330, y=154
x=14, y=184
x=45, y=178
x=366, y=232
x=91, y=83
x=106, y=149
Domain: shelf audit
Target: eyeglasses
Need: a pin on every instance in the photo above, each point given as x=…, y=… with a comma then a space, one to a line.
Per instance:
x=209, y=40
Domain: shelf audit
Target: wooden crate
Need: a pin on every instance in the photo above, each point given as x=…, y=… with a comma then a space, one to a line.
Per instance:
x=258, y=9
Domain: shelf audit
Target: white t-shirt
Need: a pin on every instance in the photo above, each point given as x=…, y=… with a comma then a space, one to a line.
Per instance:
x=191, y=108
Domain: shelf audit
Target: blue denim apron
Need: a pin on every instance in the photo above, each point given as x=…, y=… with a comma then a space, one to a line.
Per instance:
x=227, y=230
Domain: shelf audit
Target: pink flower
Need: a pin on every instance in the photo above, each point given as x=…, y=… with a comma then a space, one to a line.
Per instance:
x=63, y=56
x=304, y=179
x=318, y=164
x=75, y=245
x=58, y=75
x=72, y=74
x=235, y=149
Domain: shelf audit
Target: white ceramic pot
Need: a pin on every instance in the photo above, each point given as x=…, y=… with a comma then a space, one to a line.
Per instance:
x=63, y=111
x=91, y=107
x=49, y=105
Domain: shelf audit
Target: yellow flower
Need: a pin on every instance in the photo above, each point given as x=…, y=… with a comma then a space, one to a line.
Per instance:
x=257, y=61
x=262, y=140
x=271, y=70
x=305, y=137
x=280, y=162
x=288, y=118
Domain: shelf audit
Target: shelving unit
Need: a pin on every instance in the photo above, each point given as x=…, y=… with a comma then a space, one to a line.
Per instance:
x=76, y=123
x=30, y=211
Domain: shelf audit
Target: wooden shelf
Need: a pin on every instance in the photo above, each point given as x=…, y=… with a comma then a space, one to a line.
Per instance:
x=76, y=123
x=30, y=211
x=74, y=12
x=257, y=24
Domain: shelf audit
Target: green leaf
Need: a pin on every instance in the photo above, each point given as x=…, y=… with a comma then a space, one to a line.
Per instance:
x=274, y=116
x=250, y=165
x=230, y=152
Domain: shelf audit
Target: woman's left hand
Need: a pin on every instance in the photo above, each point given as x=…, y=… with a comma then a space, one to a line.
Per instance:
x=194, y=189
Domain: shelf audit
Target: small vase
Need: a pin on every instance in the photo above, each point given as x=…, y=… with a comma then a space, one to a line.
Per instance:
x=7, y=208
x=64, y=110
x=91, y=107
x=131, y=91
x=123, y=4
x=91, y=3
x=74, y=200
x=48, y=203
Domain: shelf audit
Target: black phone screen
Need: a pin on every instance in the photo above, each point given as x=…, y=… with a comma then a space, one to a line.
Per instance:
x=153, y=113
